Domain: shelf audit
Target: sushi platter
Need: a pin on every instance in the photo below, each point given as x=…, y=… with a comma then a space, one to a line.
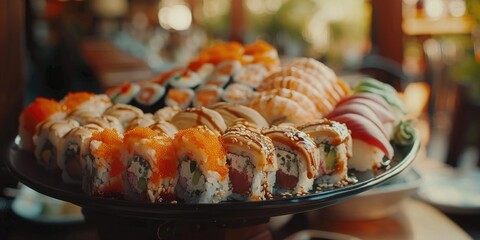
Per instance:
x=20, y=163
x=234, y=135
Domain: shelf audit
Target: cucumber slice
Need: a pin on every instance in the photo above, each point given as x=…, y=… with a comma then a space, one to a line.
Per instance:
x=331, y=160
x=196, y=176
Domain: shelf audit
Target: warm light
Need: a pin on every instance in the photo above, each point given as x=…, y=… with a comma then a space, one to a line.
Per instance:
x=416, y=97
x=214, y=8
x=457, y=8
x=434, y=8
x=177, y=17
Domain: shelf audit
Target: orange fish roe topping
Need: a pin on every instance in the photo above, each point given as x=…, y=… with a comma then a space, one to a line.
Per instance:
x=109, y=149
x=165, y=154
x=257, y=47
x=202, y=139
x=167, y=160
x=41, y=109
x=73, y=100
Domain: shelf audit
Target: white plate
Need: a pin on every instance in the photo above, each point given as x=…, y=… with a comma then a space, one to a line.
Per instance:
x=37, y=207
x=451, y=190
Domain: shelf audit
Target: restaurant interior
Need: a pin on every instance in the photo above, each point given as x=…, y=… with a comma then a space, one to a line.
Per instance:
x=427, y=50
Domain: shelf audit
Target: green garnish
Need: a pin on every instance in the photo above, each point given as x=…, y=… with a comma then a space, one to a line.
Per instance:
x=196, y=176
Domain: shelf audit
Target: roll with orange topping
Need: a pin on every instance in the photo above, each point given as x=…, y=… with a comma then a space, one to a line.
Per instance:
x=87, y=101
x=151, y=166
x=203, y=170
x=104, y=168
x=40, y=110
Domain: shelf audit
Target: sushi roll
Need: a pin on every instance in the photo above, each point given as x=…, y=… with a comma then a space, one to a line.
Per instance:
x=151, y=166
x=82, y=115
x=73, y=149
x=40, y=110
x=104, y=168
x=105, y=122
x=233, y=112
x=47, y=139
x=166, y=113
x=335, y=147
x=124, y=113
x=237, y=93
x=203, y=171
x=227, y=68
x=150, y=97
x=252, y=163
x=185, y=79
x=192, y=117
x=87, y=101
x=217, y=81
x=207, y=95
x=142, y=121
x=123, y=94
x=251, y=75
x=277, y=109
x=298, y=160
x=164, y=127
x=179, y=97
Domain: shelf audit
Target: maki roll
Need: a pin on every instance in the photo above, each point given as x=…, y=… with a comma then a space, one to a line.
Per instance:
x=203, y=171
x=151, y=166
x=335, y=147
x=252, y=163
x=124, y=113
x=73, y=149
x=142, y=121
x=179, y=97
x=82, y=115
x=150, y=97
x=164, y=127
x=104, y=168
x=207, y=95
x=192, y=117
x=166, y=113
x=237, y=93
x=232, y=112
x=185, y=79
x=47, y=139
x=298, y=159
x=105, y=122
x=40, y=110
x=87, y=101
x=123, y=94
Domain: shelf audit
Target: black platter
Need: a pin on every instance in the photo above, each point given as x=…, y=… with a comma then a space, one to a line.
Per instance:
x=23, y=165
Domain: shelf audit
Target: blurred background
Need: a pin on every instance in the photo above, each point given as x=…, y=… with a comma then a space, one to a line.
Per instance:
x=429, y=50
x=430, y=47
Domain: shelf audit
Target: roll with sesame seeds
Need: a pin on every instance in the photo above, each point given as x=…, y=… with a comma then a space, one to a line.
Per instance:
x=298, y=160
x=203, y=171
x=335, y=146
x=252, y=163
